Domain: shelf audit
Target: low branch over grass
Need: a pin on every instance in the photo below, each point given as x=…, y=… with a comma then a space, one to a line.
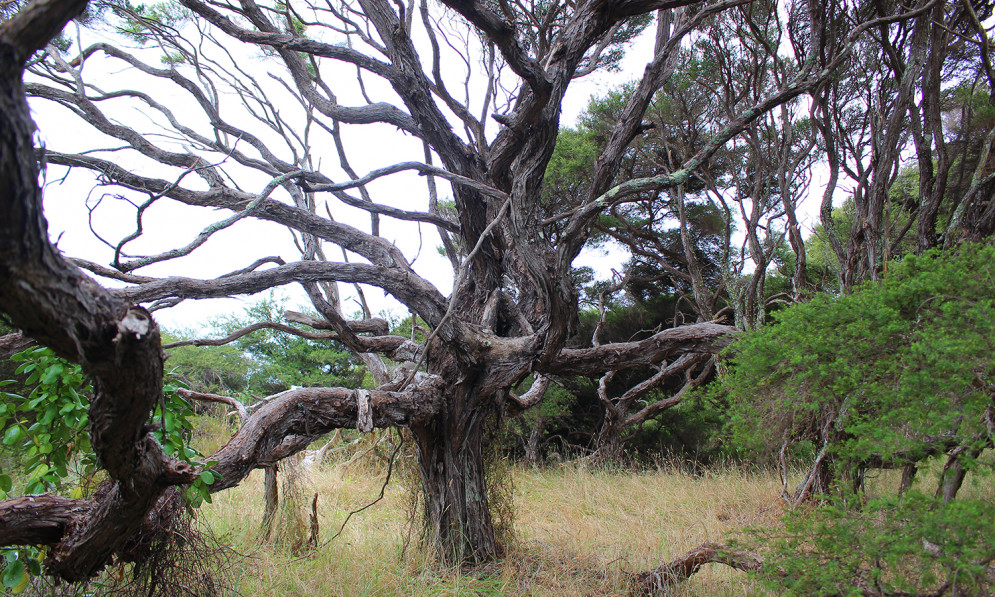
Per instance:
x=663, y=580
x=283, y=426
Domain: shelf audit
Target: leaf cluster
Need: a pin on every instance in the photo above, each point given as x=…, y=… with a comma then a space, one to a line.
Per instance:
x=908, y=545
x=897, y=364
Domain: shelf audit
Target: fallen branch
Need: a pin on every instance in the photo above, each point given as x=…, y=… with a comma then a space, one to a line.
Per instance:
x=663, y=580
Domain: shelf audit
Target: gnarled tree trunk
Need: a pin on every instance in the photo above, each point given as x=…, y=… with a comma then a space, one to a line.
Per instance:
x=451, y=459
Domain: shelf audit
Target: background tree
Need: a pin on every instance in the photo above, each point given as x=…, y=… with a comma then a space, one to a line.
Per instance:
x=892, y=100
x=267, y=359
x=890, y=376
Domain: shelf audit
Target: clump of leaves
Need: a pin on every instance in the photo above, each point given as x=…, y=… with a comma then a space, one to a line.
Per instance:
x=896, y=373
x=46, y=433
x=144, y=22
x=899, y=369
x=907, y=545
x=47, y=428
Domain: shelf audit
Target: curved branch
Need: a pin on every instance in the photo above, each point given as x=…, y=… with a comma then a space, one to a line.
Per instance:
x=661, y=580
x=375, y=249
x=34, y=25
x=116, y=343
x=263, y=325
x=284, y=425
x=291, y=42
x=210, y=230
x=396, y=347
x=700, y=337
x=534, y=394
x=651, y=410
x=293, y=419
x=243, y=413
x=504, y=35
x=375, y=326
x=287, y=43
x=422, y=169
x=407, y=287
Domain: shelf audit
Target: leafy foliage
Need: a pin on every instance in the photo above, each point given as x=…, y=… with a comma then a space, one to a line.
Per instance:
x=894, y=374
x=910, y=545
x=48, y=427
x=47, y=432
x=891, y=368
x=144, y=22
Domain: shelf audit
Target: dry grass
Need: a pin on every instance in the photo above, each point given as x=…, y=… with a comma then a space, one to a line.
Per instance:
x=579, y=532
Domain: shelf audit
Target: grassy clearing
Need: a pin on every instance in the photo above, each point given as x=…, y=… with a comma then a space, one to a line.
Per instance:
x=579, y=532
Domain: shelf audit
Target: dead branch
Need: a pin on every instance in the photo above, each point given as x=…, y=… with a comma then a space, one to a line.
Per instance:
x=243, y=413
x=664, y=580
x=263, y=325
x=13, y=343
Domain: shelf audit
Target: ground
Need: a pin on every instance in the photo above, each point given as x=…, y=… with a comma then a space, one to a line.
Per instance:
x=579, y=532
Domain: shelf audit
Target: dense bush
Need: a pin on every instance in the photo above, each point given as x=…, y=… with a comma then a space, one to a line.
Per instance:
x=897, y=372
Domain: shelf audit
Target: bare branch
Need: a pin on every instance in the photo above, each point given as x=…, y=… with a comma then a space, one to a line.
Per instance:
x=210, y=230
x=503, y=34
x=662, y=580
x=243, y=413
x=699, y=337
x=263, y=325
x=534, y=394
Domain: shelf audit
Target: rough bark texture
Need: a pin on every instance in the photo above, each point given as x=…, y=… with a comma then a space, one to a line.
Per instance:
x=458, y=521
x=11, y=344
x=53, y=302
x=665, y=579
x=39, y=519
x=271, y=496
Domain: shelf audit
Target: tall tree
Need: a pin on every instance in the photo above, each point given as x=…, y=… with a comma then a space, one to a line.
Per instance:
x=891, y=102
x=513, y=305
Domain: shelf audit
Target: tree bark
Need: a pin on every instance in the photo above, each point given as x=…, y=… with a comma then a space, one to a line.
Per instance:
x=608, y=443
x=271, y=492
x=663, y=580
x=451, y=458
x=11, y=344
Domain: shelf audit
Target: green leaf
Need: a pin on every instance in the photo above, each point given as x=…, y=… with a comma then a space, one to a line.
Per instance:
x=13, y=575
x=207, y=477
x=14, y=435
x=5, y=483
x=40, y=471
x=52, y=374
x=50, y=413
